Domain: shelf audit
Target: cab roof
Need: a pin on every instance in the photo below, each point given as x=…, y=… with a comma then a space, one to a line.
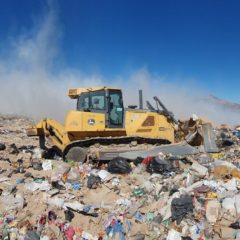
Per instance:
x=75, y=92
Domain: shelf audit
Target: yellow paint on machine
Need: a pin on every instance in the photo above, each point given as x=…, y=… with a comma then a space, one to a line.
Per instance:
x=82, y=124
x=161, y=129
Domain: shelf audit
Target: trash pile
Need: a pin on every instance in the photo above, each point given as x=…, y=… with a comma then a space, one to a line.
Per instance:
x=173, y=197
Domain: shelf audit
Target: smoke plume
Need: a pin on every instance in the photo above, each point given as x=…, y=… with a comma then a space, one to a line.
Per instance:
x=30, y=86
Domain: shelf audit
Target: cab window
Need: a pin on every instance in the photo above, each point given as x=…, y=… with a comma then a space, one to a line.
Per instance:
x=92, y=101
x=97, y=100
x=83, y=101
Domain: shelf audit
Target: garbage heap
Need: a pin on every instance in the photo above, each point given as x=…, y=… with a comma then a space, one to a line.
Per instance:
x=166, y=196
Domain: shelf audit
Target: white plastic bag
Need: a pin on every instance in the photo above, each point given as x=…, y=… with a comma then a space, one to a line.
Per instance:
x=47, y=165
x=174, y=235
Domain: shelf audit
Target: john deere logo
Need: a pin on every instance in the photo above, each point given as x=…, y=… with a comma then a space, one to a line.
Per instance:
x=91, y=121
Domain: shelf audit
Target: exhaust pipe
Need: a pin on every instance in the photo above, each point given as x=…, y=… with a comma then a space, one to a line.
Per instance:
x=140, y=99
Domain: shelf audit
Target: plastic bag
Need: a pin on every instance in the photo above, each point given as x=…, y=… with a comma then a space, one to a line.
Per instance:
x=52, y=216
x=93, y=181
x=119, y=165
x=47, y=165
x=228, y=204
x=2, y=147
x=69, y=215
x=174, y=235
x=180, y=207
x=155, y=166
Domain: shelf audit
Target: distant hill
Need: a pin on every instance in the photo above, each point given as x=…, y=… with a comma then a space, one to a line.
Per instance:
x=224, y=103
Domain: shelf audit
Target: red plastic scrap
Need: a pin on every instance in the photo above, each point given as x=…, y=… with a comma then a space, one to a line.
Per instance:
x=69, y=233
x=43, y=219
x=147, y=160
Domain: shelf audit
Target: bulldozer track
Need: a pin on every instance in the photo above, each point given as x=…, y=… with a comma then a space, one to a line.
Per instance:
x=86, y=143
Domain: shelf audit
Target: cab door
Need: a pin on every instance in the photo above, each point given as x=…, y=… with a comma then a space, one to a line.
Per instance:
x=115, y=110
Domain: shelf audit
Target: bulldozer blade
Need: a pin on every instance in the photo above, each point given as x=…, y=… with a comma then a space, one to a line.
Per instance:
x=182, y=148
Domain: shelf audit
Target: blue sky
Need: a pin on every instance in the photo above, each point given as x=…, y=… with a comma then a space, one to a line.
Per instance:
x=184, y=40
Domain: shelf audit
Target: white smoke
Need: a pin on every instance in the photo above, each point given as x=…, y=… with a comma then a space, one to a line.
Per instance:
x=29, y=86
x=182, y=99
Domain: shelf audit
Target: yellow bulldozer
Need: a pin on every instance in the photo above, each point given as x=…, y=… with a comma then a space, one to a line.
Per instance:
x=101, y=127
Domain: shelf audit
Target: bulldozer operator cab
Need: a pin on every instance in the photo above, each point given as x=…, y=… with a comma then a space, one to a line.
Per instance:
x=105, y=101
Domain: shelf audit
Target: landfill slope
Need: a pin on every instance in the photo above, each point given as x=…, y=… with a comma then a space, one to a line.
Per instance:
x=167, y=196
